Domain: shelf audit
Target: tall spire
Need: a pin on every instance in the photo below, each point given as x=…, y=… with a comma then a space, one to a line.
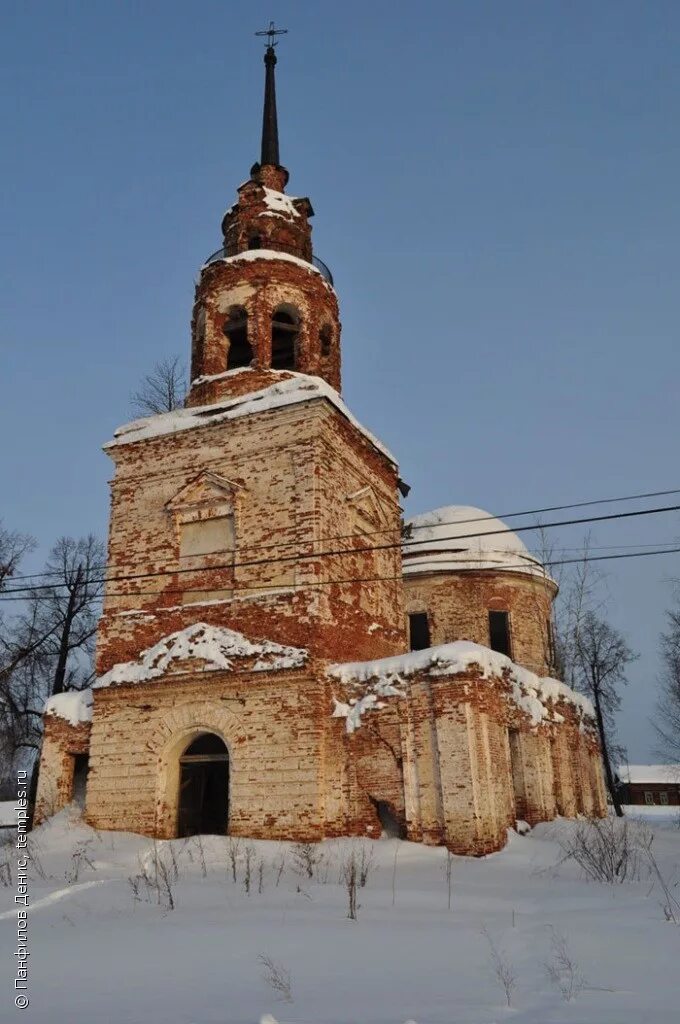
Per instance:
x=270, y=128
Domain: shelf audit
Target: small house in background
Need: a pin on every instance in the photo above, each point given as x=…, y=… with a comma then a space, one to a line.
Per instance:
x=656, y=785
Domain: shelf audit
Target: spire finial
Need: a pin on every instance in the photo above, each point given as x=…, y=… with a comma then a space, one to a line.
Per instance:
x=270, y=127
x=272, y=32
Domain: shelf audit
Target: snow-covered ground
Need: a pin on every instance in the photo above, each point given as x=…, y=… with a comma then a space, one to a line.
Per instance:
x=100, y=954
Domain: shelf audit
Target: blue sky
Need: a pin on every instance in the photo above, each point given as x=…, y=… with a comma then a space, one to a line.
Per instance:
x=496, y=191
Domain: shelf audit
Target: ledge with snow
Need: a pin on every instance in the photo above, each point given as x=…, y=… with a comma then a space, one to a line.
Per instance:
x=537, y=697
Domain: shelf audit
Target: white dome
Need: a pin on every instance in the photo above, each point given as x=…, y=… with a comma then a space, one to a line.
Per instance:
x=459, y=537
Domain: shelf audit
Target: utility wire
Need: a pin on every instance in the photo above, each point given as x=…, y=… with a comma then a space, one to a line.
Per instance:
x=274, y=589
x=417, y=526
x=301, y=556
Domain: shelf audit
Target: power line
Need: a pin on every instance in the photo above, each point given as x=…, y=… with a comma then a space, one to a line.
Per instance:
x=416, y=526
x=274, y=590
x=300, y=556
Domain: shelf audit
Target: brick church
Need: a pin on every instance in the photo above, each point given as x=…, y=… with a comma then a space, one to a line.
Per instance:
x=280, y=656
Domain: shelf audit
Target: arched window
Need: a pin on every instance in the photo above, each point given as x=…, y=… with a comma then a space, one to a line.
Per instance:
x=325, y=338
x=285, y=331
x=255, y=242
x=199, y=331
x=236, y=329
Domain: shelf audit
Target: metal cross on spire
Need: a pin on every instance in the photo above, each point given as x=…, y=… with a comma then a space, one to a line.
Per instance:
x=272, y=32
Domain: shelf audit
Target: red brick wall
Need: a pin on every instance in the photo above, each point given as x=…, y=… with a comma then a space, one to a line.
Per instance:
x=295, y=470
x=458, y=605
x=260, y=286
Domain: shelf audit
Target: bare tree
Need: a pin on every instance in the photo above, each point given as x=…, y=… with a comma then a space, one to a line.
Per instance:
x=277, y=977
x=13, y=547
x=66, y=611
x=579, y=584
x=349, y=876
x=562, y=969
x=14, y=650
x=601, y=656
x=606, y=850
x=47, y=647
x=666, y=720
x=502, y=967
x=162, y=390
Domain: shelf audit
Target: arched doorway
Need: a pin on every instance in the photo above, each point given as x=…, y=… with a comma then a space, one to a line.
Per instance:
x=204, y=787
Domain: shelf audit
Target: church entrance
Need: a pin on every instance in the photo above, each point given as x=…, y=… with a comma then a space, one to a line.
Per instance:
x=204, y=787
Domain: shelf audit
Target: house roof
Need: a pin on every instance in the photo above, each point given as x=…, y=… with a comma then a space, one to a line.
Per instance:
x=289, y=390
x=649, y=774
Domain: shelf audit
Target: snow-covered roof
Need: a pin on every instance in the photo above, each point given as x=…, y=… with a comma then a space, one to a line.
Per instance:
x=215, y=646
x=250, y=255
x=290, y=389
x=388, y=678
x=649, y=774
x=458, y=537
x=74, y=707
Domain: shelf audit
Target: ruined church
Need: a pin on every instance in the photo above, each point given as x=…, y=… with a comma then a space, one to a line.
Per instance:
x=280, y=655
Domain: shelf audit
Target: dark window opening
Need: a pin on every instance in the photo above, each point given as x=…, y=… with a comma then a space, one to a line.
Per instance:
x=204, y=788
x=551, y=642
x=516, y=765
x=391, y=825
x=419, y=631
x=200, y=327
x=326, y=337
x=255, y=242
x=499, y=632
x=236, y=329
x=285, y=330
x=80, y=769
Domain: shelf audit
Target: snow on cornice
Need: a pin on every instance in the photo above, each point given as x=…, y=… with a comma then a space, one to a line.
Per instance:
x=388, y=678
x=208, y=378
x=74, y=707
x=291, y=389
x=217, y=647
x=250, y=255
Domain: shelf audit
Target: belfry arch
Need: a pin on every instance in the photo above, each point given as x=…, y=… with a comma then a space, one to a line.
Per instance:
x=285, y=332
x=240, y=352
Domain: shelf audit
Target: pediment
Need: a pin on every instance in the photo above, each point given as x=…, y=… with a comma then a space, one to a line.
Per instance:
x=205, y=489
x=368, y=510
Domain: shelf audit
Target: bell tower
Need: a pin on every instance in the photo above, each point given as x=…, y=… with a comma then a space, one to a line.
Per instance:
x=264, y=301
x=263, y=506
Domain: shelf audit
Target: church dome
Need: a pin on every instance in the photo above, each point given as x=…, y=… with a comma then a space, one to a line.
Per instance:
x=461, y=537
